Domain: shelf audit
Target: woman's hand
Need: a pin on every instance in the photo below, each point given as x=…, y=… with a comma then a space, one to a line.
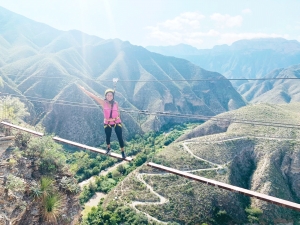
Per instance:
x=96, y=98
x=85, y=91
x=82, y=88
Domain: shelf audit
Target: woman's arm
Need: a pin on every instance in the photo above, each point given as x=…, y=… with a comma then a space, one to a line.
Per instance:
x=100, y=101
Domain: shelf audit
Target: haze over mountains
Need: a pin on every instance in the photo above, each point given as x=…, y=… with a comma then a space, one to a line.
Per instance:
x=44, y=65
x=274, y=91
x=243, y=59
x=256, y=58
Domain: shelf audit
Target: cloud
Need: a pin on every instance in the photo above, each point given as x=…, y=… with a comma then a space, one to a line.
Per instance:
x=182, y=29
x=210, y=33
x=174, y=38
x=195, y=38
x=192, y=28
x=247, y=11
x=165, y=36
x=187, y=20
x=297, y=26
x=226, y=20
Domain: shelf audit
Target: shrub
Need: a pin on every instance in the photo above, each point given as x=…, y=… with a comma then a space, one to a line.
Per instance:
x=69, y=184
x=22, y=139
x=13, y=109
x=15, y=183
x=253, y=214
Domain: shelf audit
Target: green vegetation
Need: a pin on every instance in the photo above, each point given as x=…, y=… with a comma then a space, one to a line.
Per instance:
x=86, y=164
x=51, y=182
x=13, y=109
x=144, y=148
x=253, y=214
x=249, y=158
x=51, y=201
x=69, y=184
x=46, y=154
x=53, y=207
x=190, y=202
x=15, y=183
x=49, y=163
x=252, y=156
x=115, y=214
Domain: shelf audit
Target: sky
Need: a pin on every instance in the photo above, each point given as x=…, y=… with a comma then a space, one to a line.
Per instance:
x=200, y=23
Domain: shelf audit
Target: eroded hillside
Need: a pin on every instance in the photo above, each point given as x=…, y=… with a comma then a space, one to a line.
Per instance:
x=256, y=157
x=272, y=90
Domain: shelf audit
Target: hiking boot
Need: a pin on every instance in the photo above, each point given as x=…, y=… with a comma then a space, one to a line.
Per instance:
x=123, y=155
x=108, y=150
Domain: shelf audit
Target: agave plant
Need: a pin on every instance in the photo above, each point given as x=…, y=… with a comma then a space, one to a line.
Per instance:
x=43, y=189
x=36, y=191
x=53, y=207
x=47, y=186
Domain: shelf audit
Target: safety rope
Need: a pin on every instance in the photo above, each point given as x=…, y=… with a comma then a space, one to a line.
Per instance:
x=168, y=114
x=115, y=80
x=154, y=136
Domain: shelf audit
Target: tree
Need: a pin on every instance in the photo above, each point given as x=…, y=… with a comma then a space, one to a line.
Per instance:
x=13, y=109
x=121, y=169
x=253, y=214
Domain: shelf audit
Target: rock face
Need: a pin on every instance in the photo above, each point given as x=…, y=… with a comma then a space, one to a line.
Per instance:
x=262, y=158
x=274, y=91
x=266, y=159
x=270, y=167
x=17, y=205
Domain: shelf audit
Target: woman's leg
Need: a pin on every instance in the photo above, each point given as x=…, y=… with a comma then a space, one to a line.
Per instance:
x=107, y=130
x=118, y=130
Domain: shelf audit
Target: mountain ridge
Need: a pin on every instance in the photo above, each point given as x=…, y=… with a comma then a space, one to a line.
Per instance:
x=45, y=71
x=274, y=91
x=266, y=53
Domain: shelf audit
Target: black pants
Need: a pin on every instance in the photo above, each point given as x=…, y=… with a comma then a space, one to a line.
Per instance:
x=118, y=130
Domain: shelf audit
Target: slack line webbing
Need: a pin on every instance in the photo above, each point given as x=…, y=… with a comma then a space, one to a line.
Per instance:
x=93, y=149
x=264, y=197
x=274, y=200
x=23, y=129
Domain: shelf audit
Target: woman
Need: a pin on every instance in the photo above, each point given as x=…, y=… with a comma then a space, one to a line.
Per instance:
x=111, y=117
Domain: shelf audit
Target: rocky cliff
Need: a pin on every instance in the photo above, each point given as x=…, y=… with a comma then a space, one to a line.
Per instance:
x=22, y=189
